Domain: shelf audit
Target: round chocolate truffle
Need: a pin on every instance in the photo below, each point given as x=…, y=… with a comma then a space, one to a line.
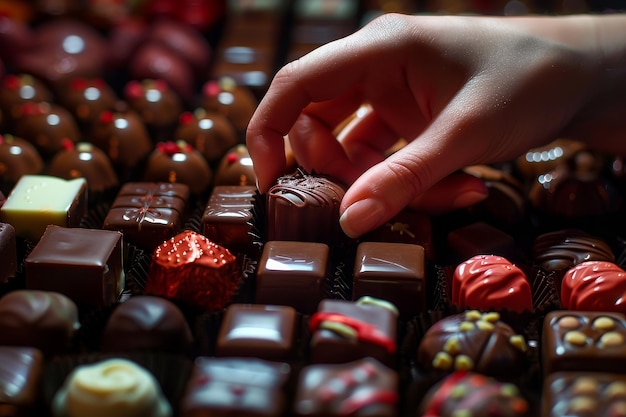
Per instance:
x=209, y=132
x=87, y=98
x=473, y=341
x=113, y=387
x=236, y=168
x=475, y=395
x=87, y=161
x=234, y=101
x=46, y=125
x=486, y=282
x=147, y=323
x=594, y=286
x=18, y=157
x=19, y=89
x=179, y=162
x=41, y=319
x=191, y=269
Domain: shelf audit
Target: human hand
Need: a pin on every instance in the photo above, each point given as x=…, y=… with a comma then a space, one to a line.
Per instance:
x=460, y=90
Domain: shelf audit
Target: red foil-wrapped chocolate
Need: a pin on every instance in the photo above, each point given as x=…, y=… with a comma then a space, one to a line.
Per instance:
x=594, y=286
x=191, y=269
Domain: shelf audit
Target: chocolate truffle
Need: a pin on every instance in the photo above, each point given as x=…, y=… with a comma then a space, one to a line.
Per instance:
x=391, y=271
x=209, y=132
x=236, y=168
x=227, y=217
x=21, y=373
x=594, y=286
x=117, y=386
x=147, y=323
x=305, y=208
x=84, y=264
x=44, y=320
x=148, y=213
x=84, y=160
x=8, y=252
x=179, y=162
x=192, y=270
x=19, y=89
x=358, y=388
x=344, y=331
x=486, y=282
x=473, y=341
x=46, y=125
x=474, y=394
x=257, y=330
x=584, y=342
x=86, y=99
x=37, y=201
x=233, y=100
x=18, y=157
x=244, y=386
x=293, y=274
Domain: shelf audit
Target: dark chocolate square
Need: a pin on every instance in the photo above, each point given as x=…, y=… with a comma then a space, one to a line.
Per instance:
x=227, y=217
x=254, y=330
x=584, y=341
x=235, y=386
x=21, y=371
x=8, y=252
x=480, y=238
x=344, y=331
x=394, y=272
x=293, y=274
x=86, y=265
x=347, y=389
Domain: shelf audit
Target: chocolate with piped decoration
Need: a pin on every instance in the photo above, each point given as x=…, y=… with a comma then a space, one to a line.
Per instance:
x=18, y=89
x=21, y=373
x=208, y=131
x=231, y=99
x=149, y=324
x=84, y=160
x=344, y=331
x=473, y=341
x=46, y=125
x=148, y=213
x=363, y=387
x=84, y=264
x=594, y=286
x=582, y=394
x=304, y=207
x=474, y=394
x=191, y=269
x=391, y=271
x=179, y=162
x=583, y=341
x=486, y=282
x=258, y=330
x=37, y=201
x=8, y=252
x=227, y=217
x=294, y=274
x=235, y=168
x=43, y=320
x=225, y=386
x=87, y=98
x=18, y=157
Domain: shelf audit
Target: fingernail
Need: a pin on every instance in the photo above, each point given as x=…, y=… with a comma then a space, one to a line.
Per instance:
x=469, y=198
x=362, y=217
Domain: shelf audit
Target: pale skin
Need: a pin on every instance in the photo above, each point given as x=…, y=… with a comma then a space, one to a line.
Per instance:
x=458, y=90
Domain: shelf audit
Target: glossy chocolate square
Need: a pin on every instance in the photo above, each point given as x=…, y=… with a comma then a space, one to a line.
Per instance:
x=347, y=389
x=582, y=394
x=8, y=252
x=227, y=217
x=255, y=330
x=293, y=274
x=394, y=272
x=86, y=265
x=235, y=386
x=21, y=371
x=344, y=331
x=584, y=341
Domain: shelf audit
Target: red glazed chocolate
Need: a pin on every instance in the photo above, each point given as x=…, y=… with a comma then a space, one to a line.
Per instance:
x=191, y=269
x=594, y=286
x=487, y=282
